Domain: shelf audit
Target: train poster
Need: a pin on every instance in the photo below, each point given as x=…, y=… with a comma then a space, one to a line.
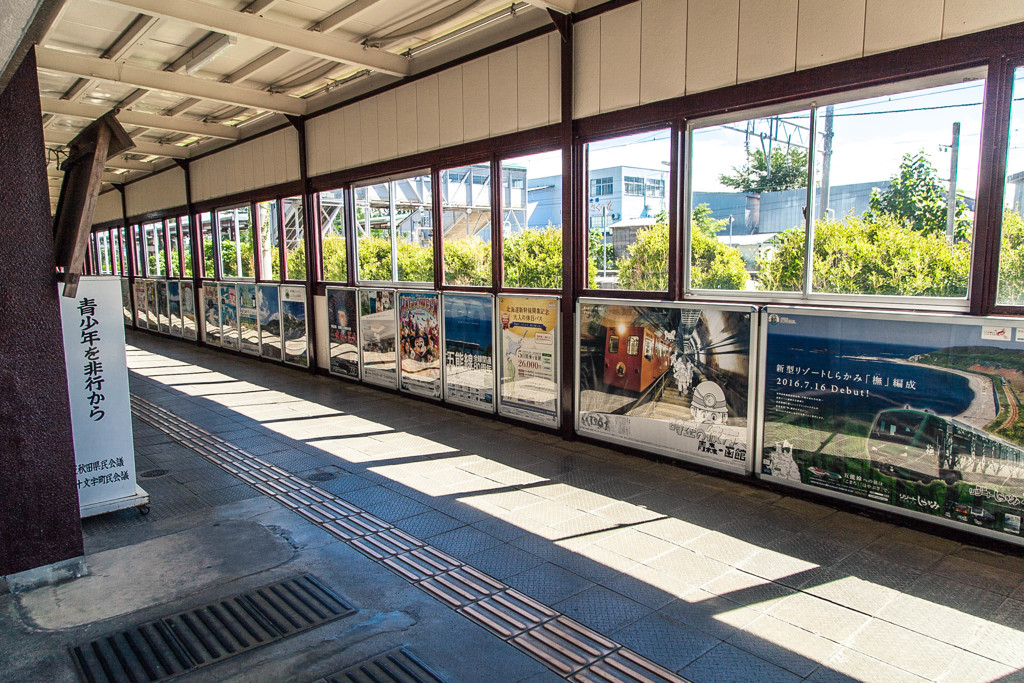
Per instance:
x=668, y=378
x=248, y=330
x=342, y=330
x=528, y=378
x=269, y=305
x=188, y=310
x=920, y=413
x=163, y=308
x=152, y=312
x=468, y=332
x=294, y=331
x=211, y=313
x=174, y=306
x=377, y=350
x=229, y=316
x=419, y=328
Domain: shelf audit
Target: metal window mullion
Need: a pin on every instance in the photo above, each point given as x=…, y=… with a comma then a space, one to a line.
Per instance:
x=393, y=229
x=812, y=152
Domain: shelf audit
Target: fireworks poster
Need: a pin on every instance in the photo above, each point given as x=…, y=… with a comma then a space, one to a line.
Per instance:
x=667, y=378
x=269, y=304
x=211, y=313
x=528, y=378
x=469, y=350
x=377, y=349
x=248, y=332
x=420, y=350
x=295, y=334
x=920, y=413
x=188, y=310
x=341, y=326
x=163, y=307
x=229, y=316
x=174, y=306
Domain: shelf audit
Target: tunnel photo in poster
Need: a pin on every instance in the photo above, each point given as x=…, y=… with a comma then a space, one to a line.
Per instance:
x=914, y=412
x=667, y=378
x=294, y=333
x=188, y=311
x=229, y=316
x=269, y=304
x=174, y=306
x=248, y=330
x=152, y=310
x=420, y=343
x=211, y=313
x=377, y=348
x=163, y=307
x=468, y=333
x=341, y=329
x=528, y=379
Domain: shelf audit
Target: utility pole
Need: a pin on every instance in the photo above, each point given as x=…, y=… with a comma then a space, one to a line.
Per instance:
x=954, y=150
x=826, y=161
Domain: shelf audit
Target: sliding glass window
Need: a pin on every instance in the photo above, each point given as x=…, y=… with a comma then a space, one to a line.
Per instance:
x=294, y=238
x=1011, y=251
x=466, y=224
x=269, y=222
x=332, y=235
x=531, y=220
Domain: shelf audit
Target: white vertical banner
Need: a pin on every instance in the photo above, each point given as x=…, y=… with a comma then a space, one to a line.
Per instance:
x=101, y=419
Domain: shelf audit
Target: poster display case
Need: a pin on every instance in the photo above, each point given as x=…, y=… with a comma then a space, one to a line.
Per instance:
x=377, y=351
x=189, y=328
x=229, y=315
x=294, y=330
x=268, y=300
x=248, y=325
x=174, y=306
x=419, y=329
x=211, y=313
x=467, y=331
x=163, y=308
x=342, y=320
x=528, y=379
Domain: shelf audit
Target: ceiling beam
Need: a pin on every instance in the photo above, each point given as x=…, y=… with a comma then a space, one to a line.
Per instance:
x=271, y=32
x=347, y=12
x=133, y=118
x=147, y=148
x=93, y=67
x=562, y=6
x=131, y=165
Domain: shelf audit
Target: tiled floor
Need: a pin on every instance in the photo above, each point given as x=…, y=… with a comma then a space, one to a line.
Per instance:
x=717, y=580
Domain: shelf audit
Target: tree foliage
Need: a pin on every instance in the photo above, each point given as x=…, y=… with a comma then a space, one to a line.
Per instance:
x=787, y=170
x=1011, y=261
x=533, y=258
x=467, y=262
x=917, y=198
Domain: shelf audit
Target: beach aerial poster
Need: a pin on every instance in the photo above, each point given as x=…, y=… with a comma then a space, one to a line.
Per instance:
x=295, y=335
x=469, y=350
x=915, y=412
x=269, y=304
x=420, y=331
x=341, y=329
x=229, y=316
x=667, y=378
x=529, y=358
x=248, y=332
x=211, y=313
x=188, y=310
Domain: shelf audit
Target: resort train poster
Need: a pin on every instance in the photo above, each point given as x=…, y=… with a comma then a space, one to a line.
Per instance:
x=920, y=413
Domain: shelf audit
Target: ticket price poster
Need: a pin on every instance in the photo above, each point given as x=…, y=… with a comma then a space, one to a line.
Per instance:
x=912, y=412
x=469, y=350
x=377, y=348
x=188, y=311
x=248, y=330
x=174, y=306
x=342, y=320
x=666, y=378
x=152, y=310
x=140, y=305
x=211, y=313
x=229, y=316
x=163, y=308
x=269, y=314
x=294, y=333
x=528, y=379
x=420, y=331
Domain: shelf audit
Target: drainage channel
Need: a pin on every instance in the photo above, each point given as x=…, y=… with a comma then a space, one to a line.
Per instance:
x=567, y=647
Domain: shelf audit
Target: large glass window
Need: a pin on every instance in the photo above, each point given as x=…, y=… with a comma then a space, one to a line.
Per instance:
x=332, y=235
x=206, y=232
x=186, y=245
x=414, y=228
x=269, y=221
x=373, y=231
x=1011, y=251
x=466, y=225
x=531, y=220
x=122, y=249
x=294, y=238
x=153, y=235
x=172, y=243
x=628, y=231
x=236, y=253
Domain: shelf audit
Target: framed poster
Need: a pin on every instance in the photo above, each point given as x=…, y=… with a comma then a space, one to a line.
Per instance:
x=174, y=306
x=211, y=313
x=269, y=302
x=377, y=351
x=126, y=301
x=141, y=315
x=911, y=413
x=419, y=328
x=671, y=378
x=468, y=333
x=163, y=308
x=342, y=320
x=188, y=311
x=229, y=315
x=152, y=310
x=248, y=330
x=295, y=333
x=529, y=375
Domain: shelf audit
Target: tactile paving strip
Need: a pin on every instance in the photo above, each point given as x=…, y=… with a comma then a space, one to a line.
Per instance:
x=562, y=644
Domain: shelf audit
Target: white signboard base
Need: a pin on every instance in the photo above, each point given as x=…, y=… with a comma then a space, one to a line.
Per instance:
x=139, y=500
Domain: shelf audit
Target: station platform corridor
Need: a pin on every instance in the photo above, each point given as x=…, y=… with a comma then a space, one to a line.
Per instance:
x=482, y=551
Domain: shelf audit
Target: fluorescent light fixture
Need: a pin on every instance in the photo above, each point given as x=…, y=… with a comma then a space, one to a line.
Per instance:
x=204, y=56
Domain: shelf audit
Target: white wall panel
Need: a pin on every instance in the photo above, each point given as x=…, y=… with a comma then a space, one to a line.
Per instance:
x=316, y=145
x=249, y=154
x=405, y=98
x=449, y=91
x=108, y=207
x=620, y=58
x=290, y=138
x=892, y=24
x=967, y=16
x=586, y=85
x=662, y=49
x=767, y=39
x=829, y=31
x=476, y=120
x=353, y=143
x=259, y=168
x=338, y=141
x=503, y=92
x=712, y=30
x=428, y=114
x=554, y=78
x=387, y=126
x=262, y=162
x=532, y=84
x=368, y=131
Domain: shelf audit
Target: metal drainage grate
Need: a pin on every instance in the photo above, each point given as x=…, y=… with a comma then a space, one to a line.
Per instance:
x=174, y=645
x=322, y=476
x=396, y=666
x=150, y=474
